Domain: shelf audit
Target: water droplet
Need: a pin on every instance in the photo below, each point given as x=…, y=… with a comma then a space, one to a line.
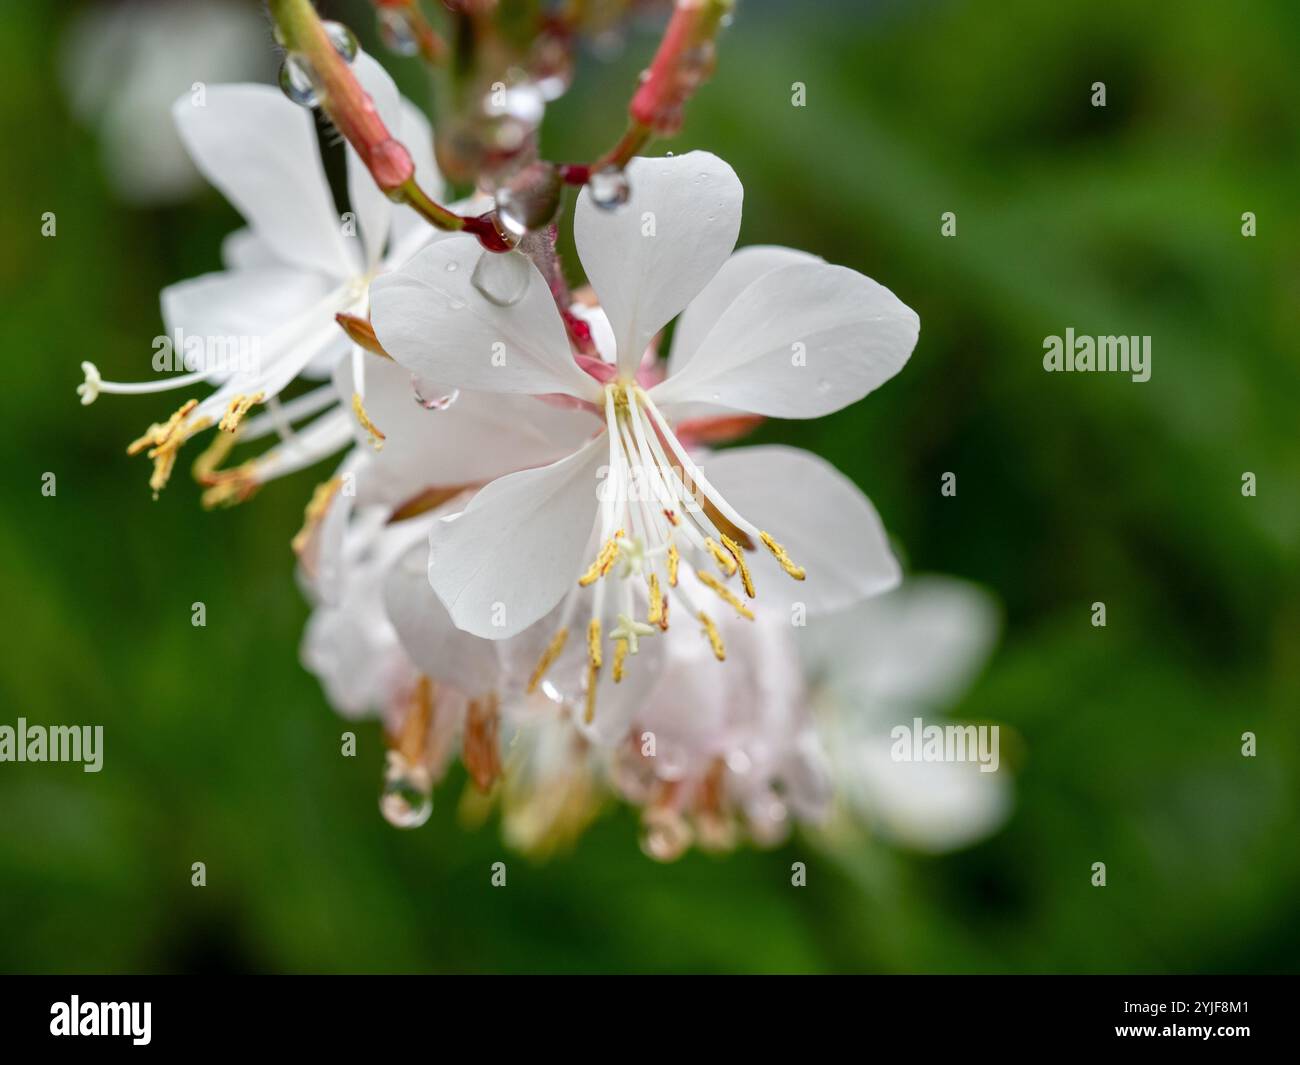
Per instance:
x=665, y=835
x=551, y=66
x=452, y=267
x=432, y=397
x=696, y=64
x=296, y=81
x=406, y=800
x=343, y=40
x=502, y=277
x=529, y=198
x=396, y=31
x=609, y=188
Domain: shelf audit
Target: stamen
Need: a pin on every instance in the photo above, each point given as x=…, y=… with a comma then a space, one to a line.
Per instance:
x=797, y=572
x=604, y=560
x=673, y=559
x=480, y=750
x=229, y=487
x=657, y=615
x=163, y=441
x=207, y=465
x=620, y=653
x=590, y=715
x=317, y=507
x=593, y=643
x=715, y=638
x=377, y=438
x=726, y=594
x=725, y=562
x=737, y=552
x=236, y=409
x=548, y=658
x=672, y=517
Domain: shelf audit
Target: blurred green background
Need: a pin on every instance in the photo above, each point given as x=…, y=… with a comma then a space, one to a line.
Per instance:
x=1071, y=489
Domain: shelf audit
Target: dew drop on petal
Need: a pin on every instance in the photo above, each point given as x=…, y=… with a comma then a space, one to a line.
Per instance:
x=502, y=277
x=296, y=81
x=343, y=40
x=430, y=396
x=609, y=188
x=396, y=31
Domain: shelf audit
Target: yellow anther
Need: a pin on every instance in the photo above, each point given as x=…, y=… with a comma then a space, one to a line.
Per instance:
x=797, y=572
x=738, y=553
x=206, y=468
x=236, y=409
x=593, y=643
x=724, y=560
x=592, y=672
x=604, y=560
x=377, y=438
x=673, y=559
x=314, y=513
x=620, y=653
x=548, y=658
x=163, y=440
x=726, y=594
x=656, y=615
x=715, y=638
x=672, y=517
x=229, y=487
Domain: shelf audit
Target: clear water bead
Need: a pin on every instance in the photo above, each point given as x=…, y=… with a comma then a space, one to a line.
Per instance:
x=406, y=800
x=609, y=188
x=343, y=40
x=396, y=31
x=432, y=397
x=296, y=81
x=502, y=277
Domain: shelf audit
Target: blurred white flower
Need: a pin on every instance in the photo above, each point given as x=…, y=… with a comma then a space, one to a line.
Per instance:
x=909, y=653
x=123, y=64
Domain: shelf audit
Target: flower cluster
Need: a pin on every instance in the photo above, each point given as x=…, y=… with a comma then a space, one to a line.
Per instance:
x=532, y=554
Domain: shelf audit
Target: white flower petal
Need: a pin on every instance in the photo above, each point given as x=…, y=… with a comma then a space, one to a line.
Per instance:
x=439, y=650
x=739, y=272
x=649, y=258
x=480, y=437
x=429, y=316
x=818, y=515
x=921, y=644
x=799, y=342
x=251, y=303
x=519, y=546
x=260, y=150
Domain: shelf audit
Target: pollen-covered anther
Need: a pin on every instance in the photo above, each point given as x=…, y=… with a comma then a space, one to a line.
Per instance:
x=715, y=637
x=658, y=614
x=377, y=438
x=673, y=559
x=226, y=488
x=314, y=513
x=163, y=440
x=604, y=560
x=724, y=560
x=797, y=572
x=726, y=595
x=480, y=750
x=620, y=655
x=672, y=517
x=236, y=409
x=552, y=652
x=738, y=553
x=593, y=643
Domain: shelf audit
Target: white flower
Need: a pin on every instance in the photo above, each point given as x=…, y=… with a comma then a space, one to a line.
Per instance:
x=269, y=316
x=124, y=63
x=882, y=663
x=768, y=331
